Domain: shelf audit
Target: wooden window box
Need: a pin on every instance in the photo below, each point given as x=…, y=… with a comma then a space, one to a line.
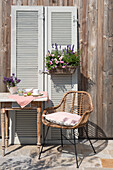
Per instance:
x=60, y=70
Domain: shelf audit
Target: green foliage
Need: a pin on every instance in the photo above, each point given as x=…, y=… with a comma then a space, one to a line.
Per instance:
x=64, y=58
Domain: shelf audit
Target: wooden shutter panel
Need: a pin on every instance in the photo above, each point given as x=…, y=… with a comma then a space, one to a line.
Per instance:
x=27, y=45
x=62, y=29
x=26, y=61
x=62, y=26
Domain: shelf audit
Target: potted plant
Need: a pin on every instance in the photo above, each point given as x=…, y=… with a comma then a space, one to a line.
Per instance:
x=63, y=61
x=11, y=83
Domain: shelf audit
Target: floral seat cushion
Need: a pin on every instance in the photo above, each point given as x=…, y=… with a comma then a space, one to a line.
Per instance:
x=63, y=118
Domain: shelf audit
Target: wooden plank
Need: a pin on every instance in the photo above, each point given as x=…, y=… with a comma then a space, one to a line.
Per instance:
x=85, y=45
x=29, y=2
x=107, y=68
x=65, y=2
x=40, y=2
x=70, y=2
x=50, y=2
x=19, y=2
x=3, y=71
x=59, y=2
x=54, y=2
x=105, y=73
x=3, y=44
x=9, y=3
x=34, y=2
x=14, y=2
x=92, y=56
x=25, y=2
x=100, y=6
x=1, y=48
x=46, y=2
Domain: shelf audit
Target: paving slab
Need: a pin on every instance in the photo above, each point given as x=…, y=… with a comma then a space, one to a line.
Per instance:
x=25, y=157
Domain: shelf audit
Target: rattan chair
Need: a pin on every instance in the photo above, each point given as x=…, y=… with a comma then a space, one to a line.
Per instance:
x=74, y=102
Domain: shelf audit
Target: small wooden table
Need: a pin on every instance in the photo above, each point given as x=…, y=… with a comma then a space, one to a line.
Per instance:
x=6, y=105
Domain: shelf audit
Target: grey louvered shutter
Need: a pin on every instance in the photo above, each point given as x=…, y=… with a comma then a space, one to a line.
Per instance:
x=27, y=48
x=62, y=29
x=26, y=61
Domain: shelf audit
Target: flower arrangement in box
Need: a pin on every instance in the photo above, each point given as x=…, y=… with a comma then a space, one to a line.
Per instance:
x=65, y=59
x=11, y=83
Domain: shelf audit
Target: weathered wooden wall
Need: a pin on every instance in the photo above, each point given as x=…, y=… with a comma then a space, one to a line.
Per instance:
x=95, y=39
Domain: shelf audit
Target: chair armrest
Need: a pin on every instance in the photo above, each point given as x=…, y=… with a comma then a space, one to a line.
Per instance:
x=83, y=120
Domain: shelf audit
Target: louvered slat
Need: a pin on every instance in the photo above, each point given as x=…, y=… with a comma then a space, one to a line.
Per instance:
x=61, y=28
x=60, y=85
x=27, y=48
x=26, y=123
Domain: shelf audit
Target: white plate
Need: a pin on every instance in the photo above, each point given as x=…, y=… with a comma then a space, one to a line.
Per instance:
x=35, y=95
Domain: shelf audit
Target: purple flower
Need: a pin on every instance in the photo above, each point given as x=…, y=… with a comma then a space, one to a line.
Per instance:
x=18, y=80
x=56, y=45
x=52, y=45
x=5, y=78
x=67, y=50
x=48, y=51
x=55, y=66
x=12, y=81
x=72, y=48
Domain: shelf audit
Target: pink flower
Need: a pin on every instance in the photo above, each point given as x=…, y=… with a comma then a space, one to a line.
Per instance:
x=61, y=61
x=63, y=66
x=53, y=55
x=56, y=61
x=50, y=63
x=61, y=57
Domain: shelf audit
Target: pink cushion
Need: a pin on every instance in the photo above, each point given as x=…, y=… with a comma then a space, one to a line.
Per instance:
x=63, y=118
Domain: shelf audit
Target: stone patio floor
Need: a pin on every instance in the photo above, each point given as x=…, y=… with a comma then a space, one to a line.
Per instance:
x=26, y=157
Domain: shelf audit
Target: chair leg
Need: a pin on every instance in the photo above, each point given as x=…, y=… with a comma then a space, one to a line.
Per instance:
x=43, y=142
x=75, y=148
x=89, y=139
x=61, y=138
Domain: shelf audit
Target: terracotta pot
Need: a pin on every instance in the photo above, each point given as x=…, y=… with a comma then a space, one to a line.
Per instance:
x=60, y=70
x=13, y=90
